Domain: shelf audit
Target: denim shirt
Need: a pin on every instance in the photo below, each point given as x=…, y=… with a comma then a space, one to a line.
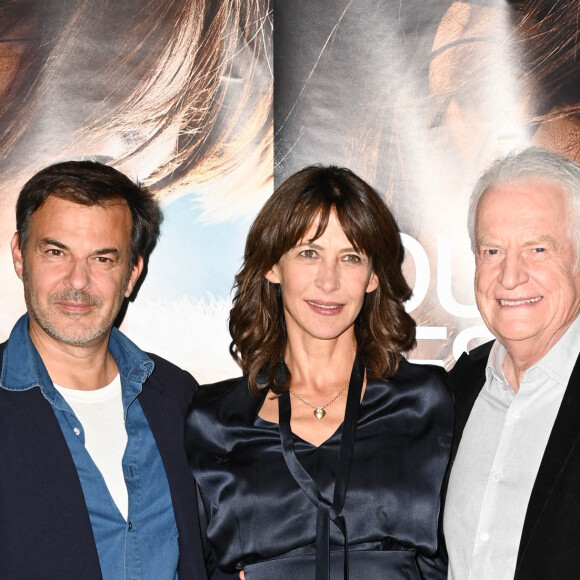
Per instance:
x=143, y=547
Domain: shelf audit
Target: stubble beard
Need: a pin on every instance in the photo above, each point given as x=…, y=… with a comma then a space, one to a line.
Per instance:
x=44, y=318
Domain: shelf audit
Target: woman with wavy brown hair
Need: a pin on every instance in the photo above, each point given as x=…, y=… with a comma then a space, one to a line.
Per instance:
x=325, y=460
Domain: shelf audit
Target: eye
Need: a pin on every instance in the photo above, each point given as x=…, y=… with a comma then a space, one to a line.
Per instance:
x=104, y=261
x=539, y=253
x=352, y=258
x=309, y=254
x=54, y=252
x=490, y=254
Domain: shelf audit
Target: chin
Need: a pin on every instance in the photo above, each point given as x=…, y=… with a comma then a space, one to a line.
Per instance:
x=77, y=336
x=515, y=335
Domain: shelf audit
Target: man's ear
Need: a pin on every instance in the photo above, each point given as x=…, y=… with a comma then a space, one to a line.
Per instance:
x=16, y=254
x=273, y=274
x=136, y=270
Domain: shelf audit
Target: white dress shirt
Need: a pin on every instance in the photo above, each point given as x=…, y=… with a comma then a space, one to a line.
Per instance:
x=498, y=459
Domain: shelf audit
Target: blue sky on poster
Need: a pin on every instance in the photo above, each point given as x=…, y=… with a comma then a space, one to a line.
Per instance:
x=195, y=257
x=182, y=309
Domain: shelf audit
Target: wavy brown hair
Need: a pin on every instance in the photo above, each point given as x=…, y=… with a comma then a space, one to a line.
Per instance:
x=383, y=328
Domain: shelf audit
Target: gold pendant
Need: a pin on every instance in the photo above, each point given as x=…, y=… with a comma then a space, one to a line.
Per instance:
x=319, y=412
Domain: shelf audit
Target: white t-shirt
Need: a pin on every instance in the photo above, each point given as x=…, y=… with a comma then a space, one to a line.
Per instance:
x=100, y=412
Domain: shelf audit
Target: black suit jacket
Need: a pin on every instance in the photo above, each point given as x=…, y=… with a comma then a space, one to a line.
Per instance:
x=45, y=531
x=550, y=542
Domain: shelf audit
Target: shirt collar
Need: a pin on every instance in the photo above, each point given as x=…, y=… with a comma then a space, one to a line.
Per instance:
x=558, y=363
x=494, y=365
x=23, y=368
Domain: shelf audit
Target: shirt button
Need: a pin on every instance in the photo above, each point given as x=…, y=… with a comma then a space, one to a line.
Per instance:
x=498, y=476
x=516, y=415
x=484, y=537
x=130, y=524
x=77, y=431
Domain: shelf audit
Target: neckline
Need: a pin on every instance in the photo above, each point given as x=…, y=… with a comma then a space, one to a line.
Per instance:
x=274, y=424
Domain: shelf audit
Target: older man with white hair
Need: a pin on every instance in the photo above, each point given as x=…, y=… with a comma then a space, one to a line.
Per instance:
x=513, y=499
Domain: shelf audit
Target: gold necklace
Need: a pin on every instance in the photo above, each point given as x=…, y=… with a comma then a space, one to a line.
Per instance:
x=319, y=411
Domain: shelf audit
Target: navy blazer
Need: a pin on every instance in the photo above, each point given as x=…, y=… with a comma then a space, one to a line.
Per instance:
x=550, y=542
x=45, y=531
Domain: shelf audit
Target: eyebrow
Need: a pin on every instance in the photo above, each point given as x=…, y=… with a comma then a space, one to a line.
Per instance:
x=51, y=242
x=533, y=242
x=316, y=246
x=543, y=240
x=103, y=251
x=61, y=246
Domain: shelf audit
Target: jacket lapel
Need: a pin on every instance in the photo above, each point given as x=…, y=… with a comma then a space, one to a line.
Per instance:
x=166, y=420
x=564, y=438
x=466, y=380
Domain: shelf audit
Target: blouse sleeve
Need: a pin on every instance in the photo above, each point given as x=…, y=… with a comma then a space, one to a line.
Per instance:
x=213, y=572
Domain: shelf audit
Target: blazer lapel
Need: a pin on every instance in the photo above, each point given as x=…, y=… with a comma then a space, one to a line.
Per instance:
x=564, y=437
x=466, y=380
x=166, y=420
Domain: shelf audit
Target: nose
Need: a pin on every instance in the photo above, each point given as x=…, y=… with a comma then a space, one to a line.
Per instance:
x=328, y=276
x=513, y=271
x=78, y=275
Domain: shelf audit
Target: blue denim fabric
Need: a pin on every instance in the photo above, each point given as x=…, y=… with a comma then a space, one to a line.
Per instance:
x=145, y=546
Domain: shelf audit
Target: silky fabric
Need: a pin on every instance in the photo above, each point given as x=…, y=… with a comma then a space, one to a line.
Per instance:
x=259, y=518
x=325, y=511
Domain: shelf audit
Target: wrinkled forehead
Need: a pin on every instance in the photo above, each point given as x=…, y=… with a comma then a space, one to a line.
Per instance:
x=528, y=193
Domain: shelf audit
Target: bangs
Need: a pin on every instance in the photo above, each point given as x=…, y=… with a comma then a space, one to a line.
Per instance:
x=353, y=217
x=359, y=227
x=305, y=213
x=306, y=200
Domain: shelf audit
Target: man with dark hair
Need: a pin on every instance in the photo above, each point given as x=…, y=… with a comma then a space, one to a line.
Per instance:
x=94, y=480
x=513, y=501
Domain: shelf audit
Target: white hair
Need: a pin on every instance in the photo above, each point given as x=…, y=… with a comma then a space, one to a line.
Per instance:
x=533, y=163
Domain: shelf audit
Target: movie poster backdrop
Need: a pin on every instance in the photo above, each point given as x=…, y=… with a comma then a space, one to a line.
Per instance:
x=418, y=98
x=177, y=94
x=209, y=102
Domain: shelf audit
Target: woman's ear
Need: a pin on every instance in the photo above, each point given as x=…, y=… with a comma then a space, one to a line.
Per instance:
x=373, y=283
x=273, y=274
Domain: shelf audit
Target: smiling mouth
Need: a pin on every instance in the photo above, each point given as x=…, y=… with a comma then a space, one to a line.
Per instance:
x=519, y=302
x=326, y=308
